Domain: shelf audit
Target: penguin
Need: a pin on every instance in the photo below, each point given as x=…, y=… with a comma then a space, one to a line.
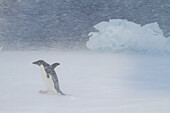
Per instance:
x=49, y=76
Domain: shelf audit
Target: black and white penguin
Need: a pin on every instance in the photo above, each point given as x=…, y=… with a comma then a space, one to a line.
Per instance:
x=50, y=77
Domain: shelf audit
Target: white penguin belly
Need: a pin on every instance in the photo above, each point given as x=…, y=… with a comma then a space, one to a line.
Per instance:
x=48, y=81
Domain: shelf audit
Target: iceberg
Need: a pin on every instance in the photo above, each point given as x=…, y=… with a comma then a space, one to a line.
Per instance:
x=119, y=35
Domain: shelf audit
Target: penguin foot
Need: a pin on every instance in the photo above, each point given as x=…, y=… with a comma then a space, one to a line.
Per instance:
x=43, y=92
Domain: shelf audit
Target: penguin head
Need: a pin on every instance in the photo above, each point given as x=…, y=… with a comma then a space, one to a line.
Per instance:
x=39, y=62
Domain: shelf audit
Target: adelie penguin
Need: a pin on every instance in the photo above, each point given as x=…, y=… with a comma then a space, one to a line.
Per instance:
x=50, y=77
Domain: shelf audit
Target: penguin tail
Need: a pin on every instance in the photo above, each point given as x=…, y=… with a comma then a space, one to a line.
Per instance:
x=61, y=92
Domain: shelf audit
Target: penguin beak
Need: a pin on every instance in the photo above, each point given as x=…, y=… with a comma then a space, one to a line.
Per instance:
x=33, y=63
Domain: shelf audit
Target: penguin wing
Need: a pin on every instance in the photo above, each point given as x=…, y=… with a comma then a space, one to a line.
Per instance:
x=48, y=75
x=47, y=70
x=55, y=65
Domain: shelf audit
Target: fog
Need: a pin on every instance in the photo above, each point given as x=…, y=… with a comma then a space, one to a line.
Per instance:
x=56, y=24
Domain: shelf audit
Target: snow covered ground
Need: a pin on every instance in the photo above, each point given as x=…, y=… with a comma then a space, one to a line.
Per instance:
x=97, y=83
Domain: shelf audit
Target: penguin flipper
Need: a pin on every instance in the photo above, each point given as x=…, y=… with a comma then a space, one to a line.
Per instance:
x=48, y=75
x=55, y=65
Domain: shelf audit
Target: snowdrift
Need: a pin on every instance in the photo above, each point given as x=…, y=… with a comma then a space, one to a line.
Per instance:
x=124, y=36
x=96, y=83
